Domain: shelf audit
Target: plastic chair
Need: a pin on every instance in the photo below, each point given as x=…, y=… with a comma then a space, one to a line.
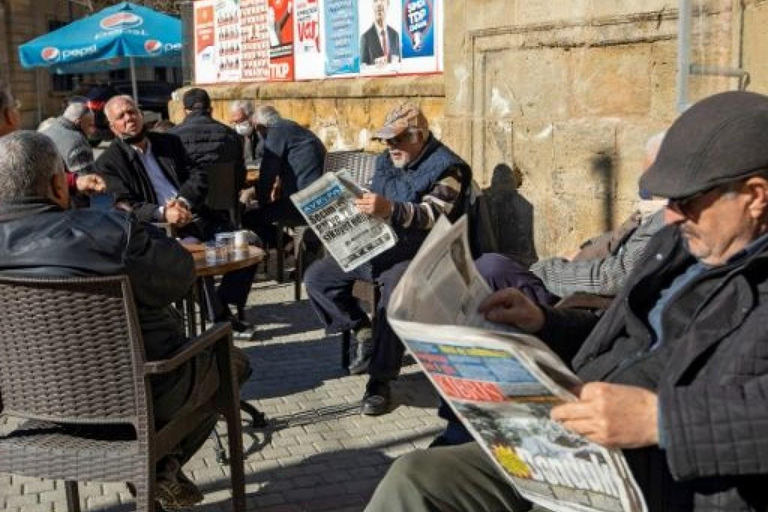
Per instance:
x=71, y=352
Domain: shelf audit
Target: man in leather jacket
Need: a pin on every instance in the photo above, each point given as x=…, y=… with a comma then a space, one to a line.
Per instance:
x=676, y=370
x=41, y=235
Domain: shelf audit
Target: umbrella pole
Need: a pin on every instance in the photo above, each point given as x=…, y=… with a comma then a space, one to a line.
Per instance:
x=133, y=82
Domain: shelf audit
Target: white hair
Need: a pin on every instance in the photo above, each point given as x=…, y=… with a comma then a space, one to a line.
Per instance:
x=122, y=98
x=245, y=106
x=76, y=111
x=653, y=145
x=266, y=115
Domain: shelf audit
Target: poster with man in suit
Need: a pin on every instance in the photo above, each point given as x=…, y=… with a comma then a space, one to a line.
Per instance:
x=380, y=43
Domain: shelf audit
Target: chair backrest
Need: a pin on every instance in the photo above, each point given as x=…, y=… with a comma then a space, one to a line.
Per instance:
x=71, y=350
x=361, y=165
x=222, y=190
x=482, y=238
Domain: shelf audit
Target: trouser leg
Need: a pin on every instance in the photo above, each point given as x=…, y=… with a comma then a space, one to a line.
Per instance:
x=388, y=350
x=330, y=292
x=447, y=479
x=235, y=286
x=501, y=271
x=262, y=220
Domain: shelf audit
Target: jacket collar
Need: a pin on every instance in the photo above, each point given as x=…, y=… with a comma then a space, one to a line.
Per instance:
x=67, y=124
x=429, y=148
x=14, y=209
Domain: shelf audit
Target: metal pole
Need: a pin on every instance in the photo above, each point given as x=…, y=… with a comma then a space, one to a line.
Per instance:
x=133, y=82
x=683, y=52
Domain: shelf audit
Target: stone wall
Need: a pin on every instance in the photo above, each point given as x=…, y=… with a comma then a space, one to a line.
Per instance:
x=563, y=95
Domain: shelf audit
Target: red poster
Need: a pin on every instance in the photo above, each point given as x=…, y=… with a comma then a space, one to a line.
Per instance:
x=280, y=27
x=204, y=28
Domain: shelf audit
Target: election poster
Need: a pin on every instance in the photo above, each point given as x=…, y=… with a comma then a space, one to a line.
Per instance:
x=342, y=46
x=380, y=44
x=307, y=46
x=254, y=40
x=280, y=29
x=419, y=36
x=228, y=40
x=206, y=53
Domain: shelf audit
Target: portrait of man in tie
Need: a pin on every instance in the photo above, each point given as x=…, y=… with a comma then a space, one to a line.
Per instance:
x=380, y=44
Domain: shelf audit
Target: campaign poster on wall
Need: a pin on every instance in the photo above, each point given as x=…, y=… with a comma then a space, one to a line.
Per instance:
x=419, y=36
x=280, y=27
x=228, y=40
x=380, y=27
x=206, y=53
x=342, y=45
x=254, y=40
x=307, y=47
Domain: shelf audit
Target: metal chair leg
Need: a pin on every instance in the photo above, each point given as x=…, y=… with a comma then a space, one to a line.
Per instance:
x=345, y=343
x=73, y=496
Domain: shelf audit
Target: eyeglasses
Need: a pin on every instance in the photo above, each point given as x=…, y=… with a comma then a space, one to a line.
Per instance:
x=686, y=206
x=397, y=141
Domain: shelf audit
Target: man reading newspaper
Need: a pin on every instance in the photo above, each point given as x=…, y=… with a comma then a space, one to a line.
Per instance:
x=676, y=369
x=416, y=180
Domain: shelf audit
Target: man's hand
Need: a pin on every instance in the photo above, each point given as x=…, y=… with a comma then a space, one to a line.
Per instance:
x=248, y=195
x=613, y=415
x=511, y=307
x=176, y=213
x=374, y=204
x=90, y=184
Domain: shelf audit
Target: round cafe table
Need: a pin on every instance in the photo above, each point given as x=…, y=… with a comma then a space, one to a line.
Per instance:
x=235, y=260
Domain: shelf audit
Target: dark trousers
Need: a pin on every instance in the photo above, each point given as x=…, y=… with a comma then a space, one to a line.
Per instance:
x=262, y=220
x=330, y=293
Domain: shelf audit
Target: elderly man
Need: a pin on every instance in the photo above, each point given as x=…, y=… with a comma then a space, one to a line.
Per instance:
x=293, y=158
x=241, y=119
x=417, y=179
x=70, y=132
x=10, y=119
x=39, y=234
x=680, y=353
x=380, y=44
x=152, y=173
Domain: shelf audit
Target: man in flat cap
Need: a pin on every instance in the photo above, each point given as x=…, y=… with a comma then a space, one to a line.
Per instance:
x=676, y=370
x=416, y=180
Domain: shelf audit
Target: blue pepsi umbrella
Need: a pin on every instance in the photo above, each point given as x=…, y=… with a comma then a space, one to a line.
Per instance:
x=116, y=37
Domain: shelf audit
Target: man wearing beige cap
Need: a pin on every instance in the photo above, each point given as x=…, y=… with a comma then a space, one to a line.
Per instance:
x=417, y=179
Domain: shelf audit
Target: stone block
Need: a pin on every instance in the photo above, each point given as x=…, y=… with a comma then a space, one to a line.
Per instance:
x=542, y=12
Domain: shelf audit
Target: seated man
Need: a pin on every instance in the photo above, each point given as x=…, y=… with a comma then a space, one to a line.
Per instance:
x=241, y=119
x=680, y=352
x=152, y=173
x=293, y=158
x=70, y=133
x=40, y=235
x=416, y=180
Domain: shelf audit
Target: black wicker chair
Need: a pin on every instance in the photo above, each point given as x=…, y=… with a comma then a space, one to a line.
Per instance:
x=71, y=353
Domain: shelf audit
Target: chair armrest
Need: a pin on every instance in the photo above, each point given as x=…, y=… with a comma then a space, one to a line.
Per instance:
x=221, y=330
x=581, y=300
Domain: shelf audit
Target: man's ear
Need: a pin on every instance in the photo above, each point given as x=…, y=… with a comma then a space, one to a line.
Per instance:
x=59, y=190
x=758, y=187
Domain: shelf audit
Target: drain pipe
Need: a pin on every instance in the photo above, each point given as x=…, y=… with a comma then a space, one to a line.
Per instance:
x=683, y=52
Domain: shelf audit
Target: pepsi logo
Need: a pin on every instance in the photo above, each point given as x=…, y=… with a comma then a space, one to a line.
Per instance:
x=50, y=54
x=121, y=20
x=153, y=46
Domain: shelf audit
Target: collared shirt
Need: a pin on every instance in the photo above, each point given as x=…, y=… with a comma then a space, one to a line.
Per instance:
x=164, y=189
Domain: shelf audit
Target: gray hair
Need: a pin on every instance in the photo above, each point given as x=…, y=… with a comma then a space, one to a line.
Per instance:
x=652, y=147
x=122, y=98
x=76, y=111
x=28, y=161
x=246, y=106
x=266, y=115
x=6, y=98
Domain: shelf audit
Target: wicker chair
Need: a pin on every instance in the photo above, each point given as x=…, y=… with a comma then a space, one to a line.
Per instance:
x=71, y=353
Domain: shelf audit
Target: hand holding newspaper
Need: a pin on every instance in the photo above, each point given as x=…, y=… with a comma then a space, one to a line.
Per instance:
x=351, y=237
x=502, y=384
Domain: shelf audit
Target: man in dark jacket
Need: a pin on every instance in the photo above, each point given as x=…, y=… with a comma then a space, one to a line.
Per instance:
x=206, y=140
x=39, y=234
x=293, y=158
x=153, y=175
x=416, y=180
x=682, y=351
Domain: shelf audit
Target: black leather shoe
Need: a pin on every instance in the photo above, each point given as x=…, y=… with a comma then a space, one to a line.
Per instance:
x=363, y=351
x=376, y=399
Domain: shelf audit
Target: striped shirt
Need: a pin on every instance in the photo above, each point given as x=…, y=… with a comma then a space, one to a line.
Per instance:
x=441, y=199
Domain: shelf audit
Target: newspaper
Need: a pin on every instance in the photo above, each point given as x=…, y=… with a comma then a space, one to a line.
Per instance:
x=502, y=384
x=351, y=237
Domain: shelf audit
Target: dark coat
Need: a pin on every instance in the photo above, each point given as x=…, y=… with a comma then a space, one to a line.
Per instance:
x=129, y=182
x=710, y=372
x=370, y=45
x=292, y=152
x=38, y=238
x=208, y=141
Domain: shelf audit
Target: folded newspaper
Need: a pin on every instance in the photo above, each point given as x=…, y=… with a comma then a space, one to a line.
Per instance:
x=502, y=384
x=351, y=237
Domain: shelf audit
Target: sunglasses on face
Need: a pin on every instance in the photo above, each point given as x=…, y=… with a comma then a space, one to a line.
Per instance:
x=397, y=141
x=688, y=205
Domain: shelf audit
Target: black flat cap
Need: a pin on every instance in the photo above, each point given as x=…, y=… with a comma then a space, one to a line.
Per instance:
x=719, y=139
x=196, y=99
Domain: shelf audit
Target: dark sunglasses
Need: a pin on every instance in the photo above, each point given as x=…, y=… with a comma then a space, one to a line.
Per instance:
x=686, y=206
x=398, y=140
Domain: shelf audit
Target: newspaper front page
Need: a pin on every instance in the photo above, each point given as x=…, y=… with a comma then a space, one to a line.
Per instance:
x=503, y=384
x=351, y=237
